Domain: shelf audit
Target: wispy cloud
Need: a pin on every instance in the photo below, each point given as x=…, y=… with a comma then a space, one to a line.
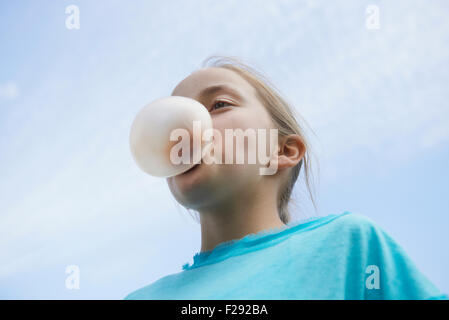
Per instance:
x=9, y=91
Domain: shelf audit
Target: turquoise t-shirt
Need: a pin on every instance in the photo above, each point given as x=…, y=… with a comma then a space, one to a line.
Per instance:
x=340, y=256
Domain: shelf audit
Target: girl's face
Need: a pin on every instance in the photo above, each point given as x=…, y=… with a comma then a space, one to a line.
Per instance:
x=233, y=106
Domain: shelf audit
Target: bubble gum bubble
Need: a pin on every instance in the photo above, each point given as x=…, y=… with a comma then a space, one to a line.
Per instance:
x=150, y=133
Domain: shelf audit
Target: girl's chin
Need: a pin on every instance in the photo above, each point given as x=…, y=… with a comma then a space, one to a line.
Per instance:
x=192, y=187
x=189, y=178
x=190, y=170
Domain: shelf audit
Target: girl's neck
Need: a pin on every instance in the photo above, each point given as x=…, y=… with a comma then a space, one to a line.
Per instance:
x=236, y=220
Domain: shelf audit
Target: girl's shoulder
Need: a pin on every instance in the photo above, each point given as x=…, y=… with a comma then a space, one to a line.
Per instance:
x=358, y=232
x=154, y=290
x=344, y=224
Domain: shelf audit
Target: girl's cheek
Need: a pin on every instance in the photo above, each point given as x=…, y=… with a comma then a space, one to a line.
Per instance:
x=234, y=119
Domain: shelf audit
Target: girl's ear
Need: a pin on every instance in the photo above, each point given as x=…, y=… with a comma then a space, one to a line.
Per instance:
x=291, y=151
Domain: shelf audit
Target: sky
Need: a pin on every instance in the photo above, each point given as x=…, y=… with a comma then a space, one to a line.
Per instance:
x=375, y=102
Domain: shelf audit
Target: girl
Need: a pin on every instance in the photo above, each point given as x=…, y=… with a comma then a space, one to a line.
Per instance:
x=250, y=247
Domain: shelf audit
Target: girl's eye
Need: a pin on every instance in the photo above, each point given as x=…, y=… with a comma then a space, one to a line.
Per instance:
x=220, y=104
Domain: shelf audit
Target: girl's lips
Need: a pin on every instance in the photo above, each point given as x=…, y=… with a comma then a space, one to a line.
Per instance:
x=191, y=169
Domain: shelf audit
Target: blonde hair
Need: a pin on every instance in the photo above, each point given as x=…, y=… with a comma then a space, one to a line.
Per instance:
x=284, y=119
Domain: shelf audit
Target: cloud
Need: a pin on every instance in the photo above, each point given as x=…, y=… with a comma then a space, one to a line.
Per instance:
x=383, y=92
x=9, y=91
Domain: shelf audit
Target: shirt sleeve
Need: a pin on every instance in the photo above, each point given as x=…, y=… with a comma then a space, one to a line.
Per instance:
x=390, y=273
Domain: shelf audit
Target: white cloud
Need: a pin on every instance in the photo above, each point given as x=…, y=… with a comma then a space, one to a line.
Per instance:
x=435, y=135
x=383, y=93
x=9, y=91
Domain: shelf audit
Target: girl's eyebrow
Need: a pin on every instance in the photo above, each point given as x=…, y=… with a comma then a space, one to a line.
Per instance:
x=220, y=87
